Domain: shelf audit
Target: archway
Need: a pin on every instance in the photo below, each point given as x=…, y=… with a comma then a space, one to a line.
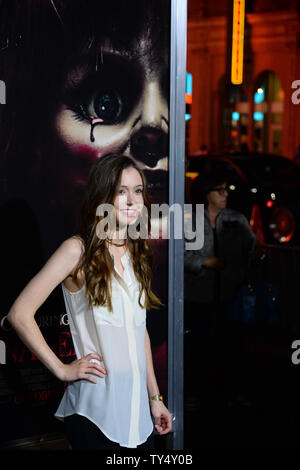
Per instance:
x=268, y=113
x=235, y=119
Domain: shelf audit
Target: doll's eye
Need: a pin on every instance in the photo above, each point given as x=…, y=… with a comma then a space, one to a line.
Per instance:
x=107, y=105
x=109, y=95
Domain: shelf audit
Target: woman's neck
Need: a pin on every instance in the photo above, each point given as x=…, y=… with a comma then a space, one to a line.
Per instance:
x=117, y=238
x=116, y=242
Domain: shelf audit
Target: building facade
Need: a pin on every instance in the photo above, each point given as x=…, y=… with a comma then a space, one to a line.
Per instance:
x=262, y=114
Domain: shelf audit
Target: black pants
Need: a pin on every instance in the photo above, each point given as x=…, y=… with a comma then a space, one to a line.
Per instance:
x=82, y=434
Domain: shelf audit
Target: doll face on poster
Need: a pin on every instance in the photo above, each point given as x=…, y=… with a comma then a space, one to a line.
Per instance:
x=116, y=102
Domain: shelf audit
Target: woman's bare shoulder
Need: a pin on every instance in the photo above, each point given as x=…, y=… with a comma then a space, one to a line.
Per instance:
x=73, y=248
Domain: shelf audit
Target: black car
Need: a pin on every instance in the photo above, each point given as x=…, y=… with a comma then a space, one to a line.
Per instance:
x=266, y=188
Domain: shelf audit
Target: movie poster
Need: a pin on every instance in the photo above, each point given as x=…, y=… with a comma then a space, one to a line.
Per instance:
x=80, y=79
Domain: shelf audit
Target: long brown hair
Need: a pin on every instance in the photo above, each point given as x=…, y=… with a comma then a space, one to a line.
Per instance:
x=102, y=186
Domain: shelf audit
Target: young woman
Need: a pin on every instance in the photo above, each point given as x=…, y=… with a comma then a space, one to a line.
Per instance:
x=106, y=283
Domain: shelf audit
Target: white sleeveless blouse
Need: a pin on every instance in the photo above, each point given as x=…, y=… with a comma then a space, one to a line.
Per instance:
x=118, y=404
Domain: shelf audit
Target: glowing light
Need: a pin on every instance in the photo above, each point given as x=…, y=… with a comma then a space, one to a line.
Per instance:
x=259, y=95
x=231, y=187
x=253, y=190
x=258, y=116
x=188, y=88
x=192, y=174
x=235, y=116
x=188, y=116
x=273, y=196
x=237, y=42
x=287, y=238
x=269, y=203
x=189, y=83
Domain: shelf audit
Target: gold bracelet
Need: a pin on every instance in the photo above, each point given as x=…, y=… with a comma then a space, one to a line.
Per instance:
x=156, y=398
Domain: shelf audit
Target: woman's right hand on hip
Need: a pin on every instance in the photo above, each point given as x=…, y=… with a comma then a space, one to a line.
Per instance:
x=82, y=368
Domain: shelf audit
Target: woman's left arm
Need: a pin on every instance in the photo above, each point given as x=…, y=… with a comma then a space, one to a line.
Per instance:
x=162, y=416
